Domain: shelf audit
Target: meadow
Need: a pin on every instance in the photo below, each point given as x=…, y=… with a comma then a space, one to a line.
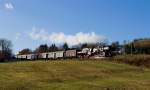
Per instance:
x=73, y=75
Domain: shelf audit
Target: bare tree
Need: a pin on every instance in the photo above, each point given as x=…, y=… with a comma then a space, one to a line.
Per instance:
x=5, y=49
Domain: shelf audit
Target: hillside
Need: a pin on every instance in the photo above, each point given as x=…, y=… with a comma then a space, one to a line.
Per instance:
x=72, y=75
x=142, y=43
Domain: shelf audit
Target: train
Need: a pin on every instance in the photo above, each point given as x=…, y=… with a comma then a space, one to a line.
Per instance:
x=49, y=55
x=73, y=53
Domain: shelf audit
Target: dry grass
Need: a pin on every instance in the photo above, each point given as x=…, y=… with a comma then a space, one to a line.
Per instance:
x=138, y=60
x=72, y=75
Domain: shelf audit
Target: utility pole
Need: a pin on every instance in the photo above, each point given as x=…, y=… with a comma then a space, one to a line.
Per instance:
x=124, y=46
x=131, y=48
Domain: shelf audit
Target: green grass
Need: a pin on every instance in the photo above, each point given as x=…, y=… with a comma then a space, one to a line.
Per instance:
x=72, y=75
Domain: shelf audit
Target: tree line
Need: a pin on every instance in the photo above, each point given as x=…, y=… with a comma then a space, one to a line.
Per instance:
x=44, y=48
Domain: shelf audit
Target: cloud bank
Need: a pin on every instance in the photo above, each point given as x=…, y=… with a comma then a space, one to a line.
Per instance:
x=58, y=38
x=9, y=6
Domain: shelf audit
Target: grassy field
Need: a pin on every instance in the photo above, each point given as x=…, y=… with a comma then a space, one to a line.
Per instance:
x=72, y=75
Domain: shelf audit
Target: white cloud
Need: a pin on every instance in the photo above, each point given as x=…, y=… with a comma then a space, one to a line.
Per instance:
x=9, y=6
x=17, y=36
x=58, y=38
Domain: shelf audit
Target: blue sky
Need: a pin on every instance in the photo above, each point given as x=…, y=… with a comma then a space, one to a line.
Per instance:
x=116, y=20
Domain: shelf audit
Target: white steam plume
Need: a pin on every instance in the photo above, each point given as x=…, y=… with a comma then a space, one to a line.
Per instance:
x=58, y=38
